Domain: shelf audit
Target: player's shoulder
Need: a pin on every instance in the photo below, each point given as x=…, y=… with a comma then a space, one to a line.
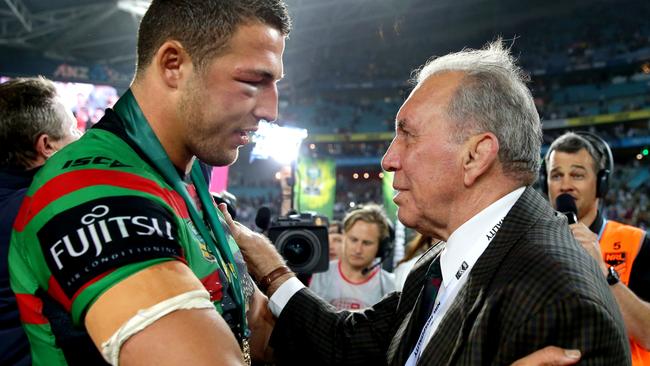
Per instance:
x=85, y=180
x=97, y=154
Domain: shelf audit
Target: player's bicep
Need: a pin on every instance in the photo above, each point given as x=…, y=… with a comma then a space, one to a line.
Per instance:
x=185, y=337
x=162, y=302
x=139, y=291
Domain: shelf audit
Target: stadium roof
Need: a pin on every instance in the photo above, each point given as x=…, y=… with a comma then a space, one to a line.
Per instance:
x=348, y=31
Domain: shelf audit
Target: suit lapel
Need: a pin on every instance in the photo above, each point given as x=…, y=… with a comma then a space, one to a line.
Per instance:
x=453, y=331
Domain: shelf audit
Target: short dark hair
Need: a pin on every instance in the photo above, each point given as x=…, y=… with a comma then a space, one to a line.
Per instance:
x=335, y=226
x=28, y=109
x=571, y=143
x=203, y=27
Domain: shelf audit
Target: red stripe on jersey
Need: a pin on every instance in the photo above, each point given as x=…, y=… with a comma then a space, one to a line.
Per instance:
x=31, y=309
x=182, y=257
x=21, y=216
x=55, y=290
x=212, y=283
x=69, y=182
x=85, y=286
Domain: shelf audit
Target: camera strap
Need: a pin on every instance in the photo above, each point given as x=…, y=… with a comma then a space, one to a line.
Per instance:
x=139, y=131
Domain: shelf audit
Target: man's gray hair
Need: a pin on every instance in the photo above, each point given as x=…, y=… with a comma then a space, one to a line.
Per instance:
x=28, y=109
x=493, y=97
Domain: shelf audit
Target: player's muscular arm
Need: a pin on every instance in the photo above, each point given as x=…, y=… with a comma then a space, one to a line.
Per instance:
x=195, y=336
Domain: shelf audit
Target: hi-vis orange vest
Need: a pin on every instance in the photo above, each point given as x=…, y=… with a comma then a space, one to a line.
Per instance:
x=620, y=245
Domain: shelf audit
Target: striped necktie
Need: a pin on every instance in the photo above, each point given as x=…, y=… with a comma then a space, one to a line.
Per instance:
x=432, y=283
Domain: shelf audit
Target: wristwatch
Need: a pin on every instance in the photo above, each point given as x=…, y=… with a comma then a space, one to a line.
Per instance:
x=612, y=276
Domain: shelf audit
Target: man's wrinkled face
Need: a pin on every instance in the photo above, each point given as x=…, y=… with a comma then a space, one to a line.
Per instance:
x=424, y=154
x=223, y=104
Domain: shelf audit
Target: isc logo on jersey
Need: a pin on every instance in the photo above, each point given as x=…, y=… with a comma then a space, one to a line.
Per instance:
x=94, y=160
x=92, y=238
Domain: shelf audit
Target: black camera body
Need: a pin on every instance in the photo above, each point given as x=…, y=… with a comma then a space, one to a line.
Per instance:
x=302, y=240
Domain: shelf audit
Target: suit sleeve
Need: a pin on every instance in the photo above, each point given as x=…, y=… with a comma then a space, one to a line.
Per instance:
x=309, y=331
x=573, y=323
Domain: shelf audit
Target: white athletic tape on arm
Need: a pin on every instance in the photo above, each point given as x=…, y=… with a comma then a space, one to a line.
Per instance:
x=199, y=299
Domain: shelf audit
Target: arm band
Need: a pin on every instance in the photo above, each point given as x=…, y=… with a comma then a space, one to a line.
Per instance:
x=198, y=299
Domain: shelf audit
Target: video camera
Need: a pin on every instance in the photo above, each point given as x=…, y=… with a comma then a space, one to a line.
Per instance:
x=302, y=240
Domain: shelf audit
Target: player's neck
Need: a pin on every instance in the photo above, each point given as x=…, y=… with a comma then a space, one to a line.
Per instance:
x=161, y=119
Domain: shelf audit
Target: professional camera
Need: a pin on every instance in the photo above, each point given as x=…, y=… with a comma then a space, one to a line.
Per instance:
x=302, y=240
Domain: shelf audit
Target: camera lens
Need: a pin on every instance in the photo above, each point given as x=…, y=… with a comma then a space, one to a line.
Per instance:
x=298, y=247
x=297, y=250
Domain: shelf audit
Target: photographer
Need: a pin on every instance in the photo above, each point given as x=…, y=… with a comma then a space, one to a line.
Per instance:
x=353, y=282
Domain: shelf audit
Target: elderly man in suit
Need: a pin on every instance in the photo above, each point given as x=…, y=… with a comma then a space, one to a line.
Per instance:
x=509, y=279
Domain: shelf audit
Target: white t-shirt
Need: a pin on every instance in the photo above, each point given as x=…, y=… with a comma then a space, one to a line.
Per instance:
x=402, y=271
x=344, y=294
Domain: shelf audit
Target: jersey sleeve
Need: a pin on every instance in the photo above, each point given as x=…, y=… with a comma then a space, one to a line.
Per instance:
x=89, y=247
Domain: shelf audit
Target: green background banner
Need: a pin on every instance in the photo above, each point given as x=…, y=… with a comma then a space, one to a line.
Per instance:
x=315, y=186
x=388, y=193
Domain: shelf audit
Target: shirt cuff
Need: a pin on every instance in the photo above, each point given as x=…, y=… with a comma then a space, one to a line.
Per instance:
x=283, y=294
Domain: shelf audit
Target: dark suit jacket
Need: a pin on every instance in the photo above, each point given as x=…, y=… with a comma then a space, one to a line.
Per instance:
x=533, y=286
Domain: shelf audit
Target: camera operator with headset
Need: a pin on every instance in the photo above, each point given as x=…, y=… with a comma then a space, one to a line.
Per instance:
x=576, y=172
x=353, y=282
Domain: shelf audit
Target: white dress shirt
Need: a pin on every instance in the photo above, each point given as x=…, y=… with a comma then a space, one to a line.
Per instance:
x=463, y=248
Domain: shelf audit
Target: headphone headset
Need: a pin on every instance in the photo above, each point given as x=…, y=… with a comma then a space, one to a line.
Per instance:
x=603, y=151
x=386, y=243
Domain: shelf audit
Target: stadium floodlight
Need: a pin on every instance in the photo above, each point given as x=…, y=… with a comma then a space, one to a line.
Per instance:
x=277, y=142
x=135, y=7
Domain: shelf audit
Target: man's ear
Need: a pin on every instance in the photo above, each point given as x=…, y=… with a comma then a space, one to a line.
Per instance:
x=45, y=148
x=481, y=152
x=173, y=63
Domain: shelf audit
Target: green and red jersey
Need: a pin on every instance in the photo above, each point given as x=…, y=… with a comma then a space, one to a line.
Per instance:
x=96, y=213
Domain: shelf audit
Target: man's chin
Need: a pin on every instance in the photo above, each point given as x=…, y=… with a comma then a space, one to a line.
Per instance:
x=359, y=266
x=223, y=159
x=405, y=218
